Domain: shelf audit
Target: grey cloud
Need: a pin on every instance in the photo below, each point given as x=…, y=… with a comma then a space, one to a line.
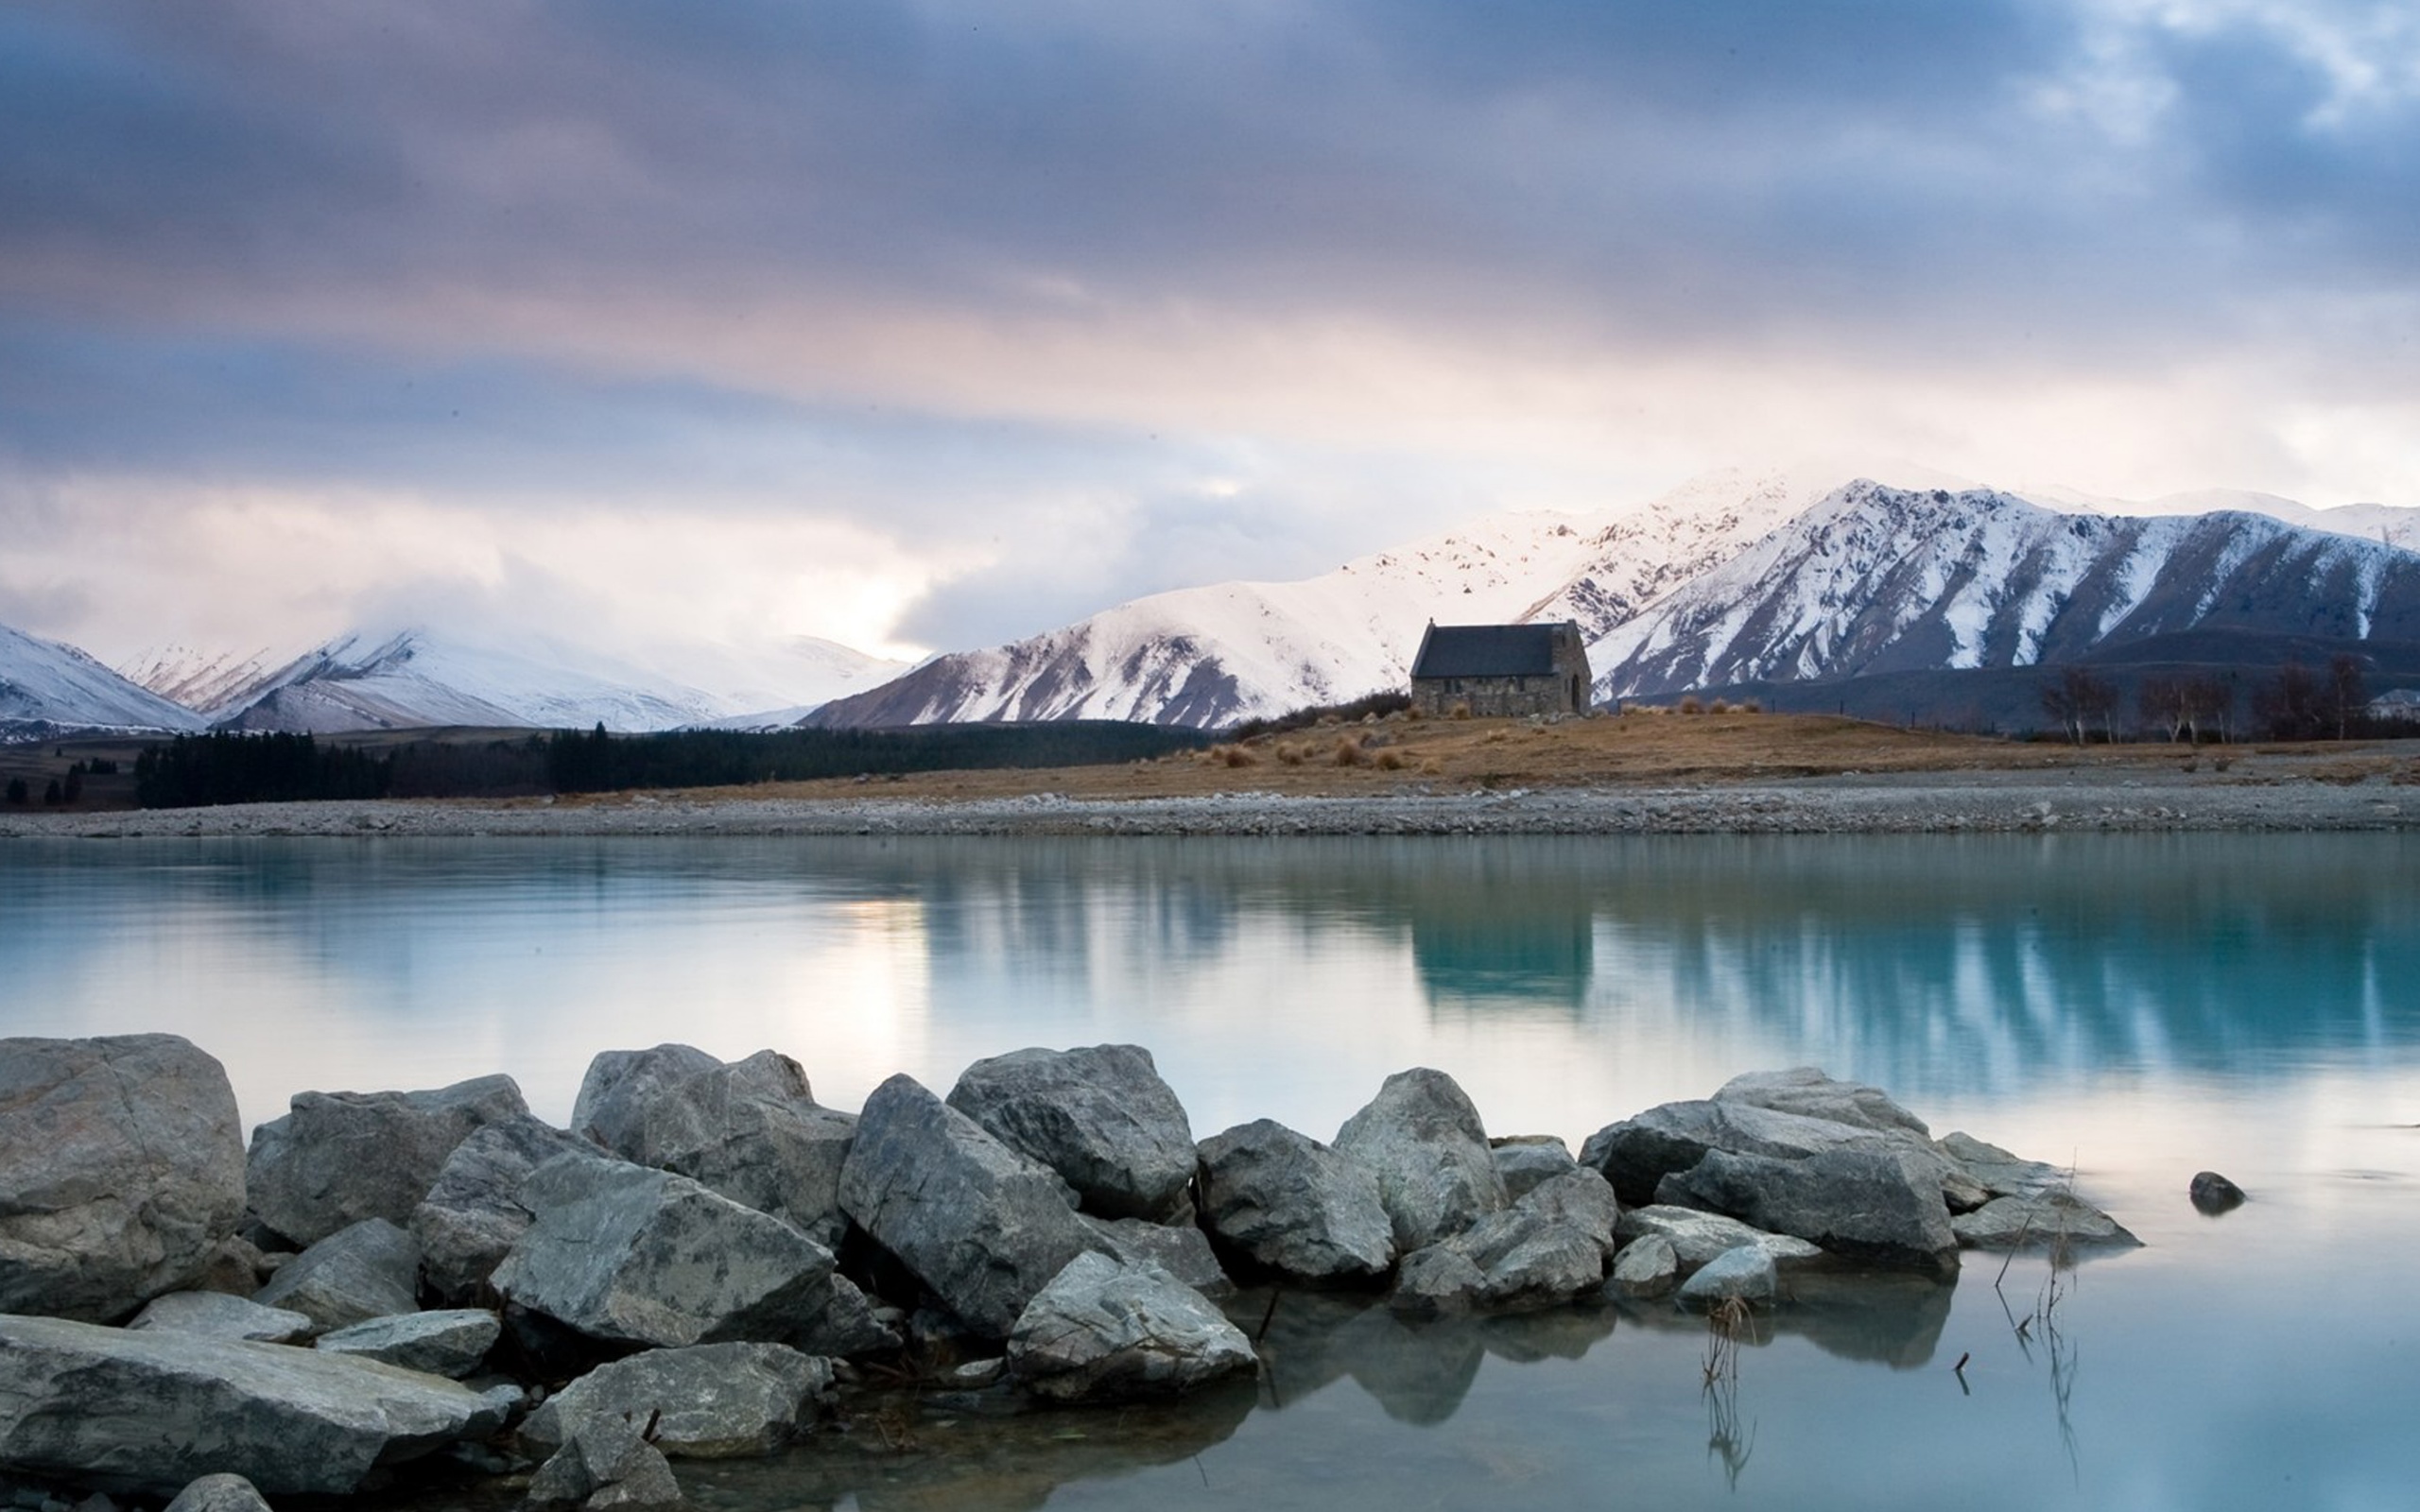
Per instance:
x=1616, y=172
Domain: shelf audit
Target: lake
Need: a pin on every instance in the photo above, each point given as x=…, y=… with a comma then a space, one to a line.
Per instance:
x=2139, y=1006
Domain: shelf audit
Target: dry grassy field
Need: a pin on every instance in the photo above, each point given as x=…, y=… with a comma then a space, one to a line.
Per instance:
x=1403, y=754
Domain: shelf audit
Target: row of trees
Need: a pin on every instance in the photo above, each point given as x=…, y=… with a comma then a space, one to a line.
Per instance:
x=2297, y=702
x=200, y=770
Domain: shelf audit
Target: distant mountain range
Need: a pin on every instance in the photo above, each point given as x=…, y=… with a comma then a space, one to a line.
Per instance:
x=1810, y=588
x=421, y=678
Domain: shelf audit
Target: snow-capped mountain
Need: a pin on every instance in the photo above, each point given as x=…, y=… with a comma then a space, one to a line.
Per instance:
x=1231, y=651
x=1734, y=578
x=43, y=683
x=417, y=677
x=1877, y=579
x=201, y=681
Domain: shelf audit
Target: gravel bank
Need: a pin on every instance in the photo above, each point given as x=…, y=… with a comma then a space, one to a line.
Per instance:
x=1908, y=804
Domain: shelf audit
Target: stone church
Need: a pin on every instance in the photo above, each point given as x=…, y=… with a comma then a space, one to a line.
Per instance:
x=1494, y=671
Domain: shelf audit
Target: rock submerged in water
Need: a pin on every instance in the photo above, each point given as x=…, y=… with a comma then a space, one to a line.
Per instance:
x=121, y=1169
x=1105, y=1330
x=2214, y=1193
x=1880, y=1206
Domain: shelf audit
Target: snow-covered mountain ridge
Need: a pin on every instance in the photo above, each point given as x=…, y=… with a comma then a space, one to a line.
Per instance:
x=1877, y=579
x=1736, y=576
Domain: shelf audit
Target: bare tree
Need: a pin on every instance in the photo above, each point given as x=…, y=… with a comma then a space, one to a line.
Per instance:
x=2348, y=694
x=2287, y=706
x=2162, y=702
x=2209, y=699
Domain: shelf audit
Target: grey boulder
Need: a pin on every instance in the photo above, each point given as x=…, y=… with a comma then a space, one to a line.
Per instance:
x=1546, y=1249
x=472, y=1213
x=1647, y=1268
x=1526, y=1160
x=1423, y=1138
x=219, y=1494
x=626, y=1254
x=150, y=1410
x=1808, y=1092
x=1293, y=1206
x=620, y=1085
x=368, y=1270
x=451, y=1342
x=216, y=1316
x=1699, y=1237
x=121, y=1168
x=608, y=1463
x=337, y=1159
x=2212, y=1194
x=1745, y=1274
x=1098, y=1115
x=1881, y=1205
x=708, y=1402
x=750, y=1130
x=2054, y=1220
x=1997, y=1172
x=1636, y=1154
x=1181, y=1249
x=980, y=1225
x=1106, y=1330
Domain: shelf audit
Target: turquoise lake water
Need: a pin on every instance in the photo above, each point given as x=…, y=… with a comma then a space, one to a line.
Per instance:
x=2140, y=1008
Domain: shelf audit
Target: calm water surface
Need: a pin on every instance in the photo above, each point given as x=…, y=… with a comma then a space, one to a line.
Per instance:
x=2140, y=1007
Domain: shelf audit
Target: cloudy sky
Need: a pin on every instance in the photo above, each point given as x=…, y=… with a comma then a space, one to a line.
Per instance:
x=924, y=325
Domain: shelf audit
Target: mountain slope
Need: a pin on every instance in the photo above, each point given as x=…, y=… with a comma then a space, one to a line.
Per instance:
x=1231, y=651
x=43, y=683
x=415, y=677
x=1877, y=581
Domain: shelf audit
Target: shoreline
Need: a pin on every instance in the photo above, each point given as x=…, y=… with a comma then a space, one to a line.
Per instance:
x=1952, y=803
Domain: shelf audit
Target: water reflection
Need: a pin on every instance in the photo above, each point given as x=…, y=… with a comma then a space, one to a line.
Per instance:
x=1566, y=980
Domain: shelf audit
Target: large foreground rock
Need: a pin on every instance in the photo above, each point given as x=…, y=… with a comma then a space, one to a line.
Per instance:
x=121, y=1166
x=1099, y=1116
x=1291, y=1205
x=339, y=1158
x=710, y=1402
x=149, y=1411
x=1106, y=1330
x=750, y=1130
x=980, y=1225
x=1882, y=1206
x=472, y=1215
x=630, y=1255
x=371, y=1269
x=1424, y=1140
